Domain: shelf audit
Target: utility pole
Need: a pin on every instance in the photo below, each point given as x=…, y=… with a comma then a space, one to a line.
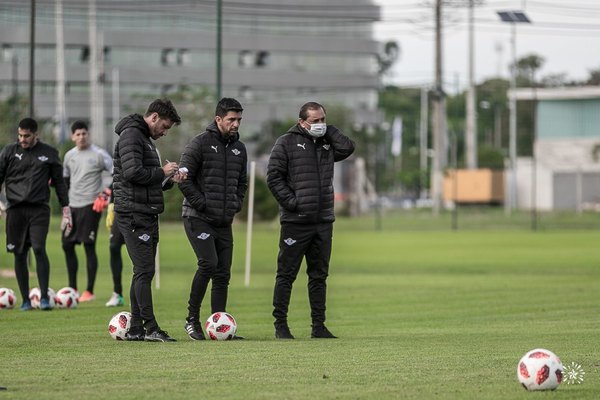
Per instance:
x=32, y=60
x=219, y=65
x=439, y=117
x=61, y=111
x=423, y=153
x=471, y=131
x=96, y=61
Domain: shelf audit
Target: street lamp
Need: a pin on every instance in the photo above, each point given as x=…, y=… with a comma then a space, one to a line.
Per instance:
x=513, y=17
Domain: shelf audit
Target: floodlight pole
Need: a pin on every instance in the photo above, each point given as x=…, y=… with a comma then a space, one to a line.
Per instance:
x=512, y=134
x=513, y=17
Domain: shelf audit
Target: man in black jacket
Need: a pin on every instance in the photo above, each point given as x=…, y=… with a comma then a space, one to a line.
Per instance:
x=300, y=176
x=214, y=192
x=138, y=183
x=26, y=168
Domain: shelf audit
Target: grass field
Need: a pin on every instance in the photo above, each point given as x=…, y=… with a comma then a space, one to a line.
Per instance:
x=429, y=314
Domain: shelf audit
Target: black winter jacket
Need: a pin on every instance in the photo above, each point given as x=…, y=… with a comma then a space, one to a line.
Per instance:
x=137, y=173
x=26, y=173
x=217, y=180
x=300, y=173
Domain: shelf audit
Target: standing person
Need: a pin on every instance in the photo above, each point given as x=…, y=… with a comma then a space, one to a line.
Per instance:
x=27, y=169
x=138, y=182
x=300, y=176
x=116, y=242
x=214, y=192
x=89, y=192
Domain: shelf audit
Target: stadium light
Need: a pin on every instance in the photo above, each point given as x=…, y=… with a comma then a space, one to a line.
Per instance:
x=513, y=18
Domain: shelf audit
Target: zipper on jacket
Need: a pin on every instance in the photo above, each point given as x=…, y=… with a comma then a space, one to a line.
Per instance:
x=317, y=156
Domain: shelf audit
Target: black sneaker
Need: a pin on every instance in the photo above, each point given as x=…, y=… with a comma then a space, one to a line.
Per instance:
x=194, y=329
x=321, y=332
x=283, y=332
x=236, y=337
x=158, y=336
x=135, y=334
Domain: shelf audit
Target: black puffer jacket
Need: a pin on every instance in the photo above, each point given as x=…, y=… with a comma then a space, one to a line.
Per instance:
x=26, y=173
x=137, y=174
x=300, y=173
x=217, y=181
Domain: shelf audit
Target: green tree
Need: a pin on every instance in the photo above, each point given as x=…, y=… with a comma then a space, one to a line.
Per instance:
x=12, y=110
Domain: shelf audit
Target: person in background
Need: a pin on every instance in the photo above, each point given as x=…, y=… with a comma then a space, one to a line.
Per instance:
x=138, y=183
x=116, y=242
x=27, y=169
x=214, y=192
x=300, y=176
x=86, y=169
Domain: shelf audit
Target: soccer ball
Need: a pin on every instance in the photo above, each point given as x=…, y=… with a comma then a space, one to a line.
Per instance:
x=221, y=326
x=35, y=297
x=540, y=369
x=119, y=325
x=66, y=298
x=8, y=299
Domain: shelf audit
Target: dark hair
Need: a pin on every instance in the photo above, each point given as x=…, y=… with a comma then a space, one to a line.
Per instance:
x=227, y=104
x=79, y=124
x=28, y=124
x=165, y=110
x=311, y=105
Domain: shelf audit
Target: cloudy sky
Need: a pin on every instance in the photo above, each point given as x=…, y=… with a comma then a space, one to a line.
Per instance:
x=565, y=33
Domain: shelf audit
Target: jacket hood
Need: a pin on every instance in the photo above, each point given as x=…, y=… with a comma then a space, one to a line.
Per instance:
x=215, y=131
x=132, y=121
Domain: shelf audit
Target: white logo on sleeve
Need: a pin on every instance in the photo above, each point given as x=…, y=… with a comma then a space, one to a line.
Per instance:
x=145, y=237
x=19, y=156
x=203, y=236
x=289, y=241
x=43, y=158
x=236, y=152
x=301, y=145
x=10, y=247
x=214, y=148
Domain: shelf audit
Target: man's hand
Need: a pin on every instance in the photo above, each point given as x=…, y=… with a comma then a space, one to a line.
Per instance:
x=110, y=216
x=180, y=175
x=102, y=200
x=66, y=225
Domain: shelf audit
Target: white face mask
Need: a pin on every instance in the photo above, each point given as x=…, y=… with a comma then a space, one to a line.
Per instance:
x=317, y=130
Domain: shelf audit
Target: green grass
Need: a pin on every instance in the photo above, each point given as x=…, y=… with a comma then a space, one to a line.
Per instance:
x=420, y=315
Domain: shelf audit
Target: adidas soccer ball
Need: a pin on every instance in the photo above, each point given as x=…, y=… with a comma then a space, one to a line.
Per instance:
x=220, y=326
x=119, y=325
x=8, y=299
x=66, y=298
x=35, y=297
x=540, y=369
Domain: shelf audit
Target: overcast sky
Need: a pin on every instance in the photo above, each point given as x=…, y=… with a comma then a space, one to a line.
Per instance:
x=566, y=33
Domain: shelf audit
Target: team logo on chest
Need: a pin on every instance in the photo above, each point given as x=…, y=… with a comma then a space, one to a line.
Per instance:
x=43, y=158
x=326, y=146
x=236, y=152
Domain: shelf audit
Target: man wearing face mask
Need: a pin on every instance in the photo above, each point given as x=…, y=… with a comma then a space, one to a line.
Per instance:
x=214, y=192
x=300, y=176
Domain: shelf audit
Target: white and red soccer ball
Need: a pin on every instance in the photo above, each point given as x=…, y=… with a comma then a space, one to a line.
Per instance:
x=35, y=297
x=540, y=369
x=119, y=325
x=220, y=326
x=66, y=297
x=8, y=298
